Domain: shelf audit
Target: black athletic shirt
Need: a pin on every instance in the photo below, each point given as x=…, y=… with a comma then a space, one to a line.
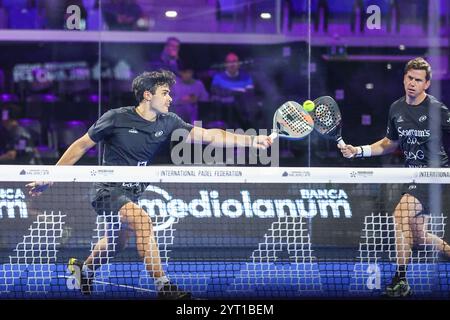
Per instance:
x=129, y=139
x=410, y=125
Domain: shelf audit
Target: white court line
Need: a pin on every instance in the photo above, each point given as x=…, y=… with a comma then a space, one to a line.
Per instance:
x=116, y=285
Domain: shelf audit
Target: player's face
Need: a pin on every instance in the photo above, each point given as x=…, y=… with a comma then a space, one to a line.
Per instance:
x=415, y=83
x=160, y=101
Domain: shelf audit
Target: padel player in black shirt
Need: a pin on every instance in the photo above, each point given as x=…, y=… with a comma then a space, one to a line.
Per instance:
x=132, y=137
x=409, y=128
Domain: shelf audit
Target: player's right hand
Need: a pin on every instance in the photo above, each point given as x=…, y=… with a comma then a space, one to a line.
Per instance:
x=262, y=142
x=37, y=187
x=348, y=151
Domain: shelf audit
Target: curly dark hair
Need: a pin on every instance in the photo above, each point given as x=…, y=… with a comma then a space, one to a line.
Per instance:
x=149, y=81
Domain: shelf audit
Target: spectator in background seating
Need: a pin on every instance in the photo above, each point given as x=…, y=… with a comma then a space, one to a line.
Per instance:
x=121, y=14
x=16, y=144
x=232, y=79
x=169, y=58
x=232, y=89
x=187, y=92
x=94, y=20
x=22, y=14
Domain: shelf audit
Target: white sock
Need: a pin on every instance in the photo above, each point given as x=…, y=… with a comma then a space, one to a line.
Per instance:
x=161, y=282
x=87, y=272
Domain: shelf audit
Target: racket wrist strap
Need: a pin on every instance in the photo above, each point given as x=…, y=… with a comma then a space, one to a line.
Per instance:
x=364, y=151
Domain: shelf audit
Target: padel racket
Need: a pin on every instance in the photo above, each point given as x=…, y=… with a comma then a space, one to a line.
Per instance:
x=291, y=121
x=327, y=118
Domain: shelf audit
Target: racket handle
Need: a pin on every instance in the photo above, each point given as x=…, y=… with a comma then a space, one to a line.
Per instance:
x=273, y=135
x=340, y=142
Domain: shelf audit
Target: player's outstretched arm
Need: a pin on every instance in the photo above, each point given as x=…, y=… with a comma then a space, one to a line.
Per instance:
x=76, y=151
x=221, y=138
x=71, y=156
x=381, y=147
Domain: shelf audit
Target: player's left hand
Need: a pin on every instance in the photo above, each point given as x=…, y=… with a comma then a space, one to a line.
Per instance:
x=37, y=187
x=262, y=142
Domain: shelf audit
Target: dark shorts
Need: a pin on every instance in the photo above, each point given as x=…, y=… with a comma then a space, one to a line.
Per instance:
x=421, y=192
x=108, y=198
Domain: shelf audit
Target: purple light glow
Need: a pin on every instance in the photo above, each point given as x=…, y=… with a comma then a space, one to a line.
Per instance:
x=43, y=148
x=7, y=97
x=50, y=98
x=26, y=121
x=74, y=123
x=94, y=98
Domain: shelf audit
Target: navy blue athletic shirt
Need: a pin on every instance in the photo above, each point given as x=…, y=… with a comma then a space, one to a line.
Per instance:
x=129, y=139
x=410, y=126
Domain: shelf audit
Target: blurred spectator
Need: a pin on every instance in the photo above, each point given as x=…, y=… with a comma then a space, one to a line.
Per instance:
x=22, y=14
x=232, y=79
x=121, y=14
x=186, y=94
x=16, y=145
x=232, y=90
x=94, y=20
x=169, y=58
x=357, y=13
x=318, y=7
x=393, y=13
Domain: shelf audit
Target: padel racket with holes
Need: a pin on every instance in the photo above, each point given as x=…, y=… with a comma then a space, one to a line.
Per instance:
x=327, y=118
x=291, y=121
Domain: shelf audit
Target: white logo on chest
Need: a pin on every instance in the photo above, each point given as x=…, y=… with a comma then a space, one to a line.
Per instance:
x=132, y=130
x=159, y=134
x=422, y=118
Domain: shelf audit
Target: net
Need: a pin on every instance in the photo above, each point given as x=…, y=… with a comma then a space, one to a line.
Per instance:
x=221, y=232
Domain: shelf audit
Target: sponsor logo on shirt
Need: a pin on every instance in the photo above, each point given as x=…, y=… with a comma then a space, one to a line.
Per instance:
x=413, y=132
x=422, y=118
x=411, y=155
x=159, y=134
x=133, y=130
x=400, y=119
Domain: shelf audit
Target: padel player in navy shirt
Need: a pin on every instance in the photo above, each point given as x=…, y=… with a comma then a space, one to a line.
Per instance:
x=132, y=137
x=409, y=127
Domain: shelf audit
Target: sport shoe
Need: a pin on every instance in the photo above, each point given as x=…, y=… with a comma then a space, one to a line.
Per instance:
x=399, y=288
x=172, y=292
x=75, y=267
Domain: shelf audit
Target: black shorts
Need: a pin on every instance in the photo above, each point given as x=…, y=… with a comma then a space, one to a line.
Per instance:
x=108, y=198
x=421, y=192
